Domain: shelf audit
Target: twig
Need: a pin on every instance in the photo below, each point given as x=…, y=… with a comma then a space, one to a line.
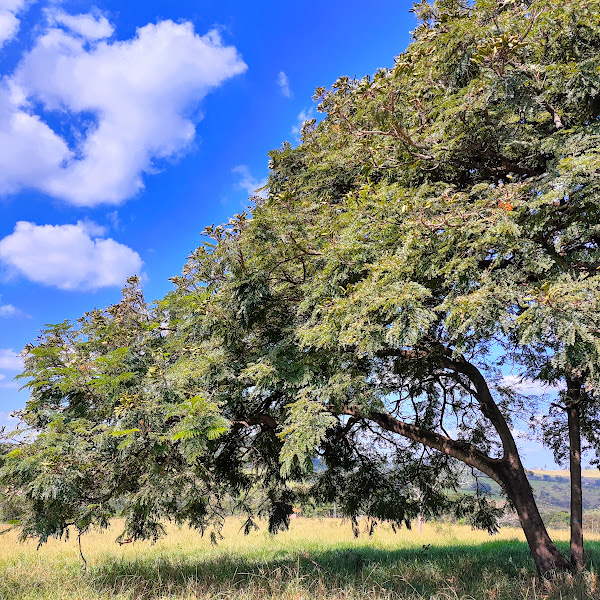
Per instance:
x=81, y=553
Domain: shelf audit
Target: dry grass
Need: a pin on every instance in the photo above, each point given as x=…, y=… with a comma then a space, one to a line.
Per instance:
x=588, y=473
x=315, y=559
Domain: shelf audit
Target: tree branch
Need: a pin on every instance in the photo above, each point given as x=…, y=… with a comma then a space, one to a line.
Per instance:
x=461, y=450
x=259, y=419
x=442, y=356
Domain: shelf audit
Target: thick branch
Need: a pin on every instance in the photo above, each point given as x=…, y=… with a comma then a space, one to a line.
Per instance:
x=461, y=450
x=443, y=357
x=488, y=405
x=554, y=114
x=260, y=419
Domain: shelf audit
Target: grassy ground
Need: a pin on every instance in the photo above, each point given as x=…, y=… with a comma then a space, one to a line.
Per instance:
x=316, y=559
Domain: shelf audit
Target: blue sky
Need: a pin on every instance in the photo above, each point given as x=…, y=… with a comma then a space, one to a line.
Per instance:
x=127, y=127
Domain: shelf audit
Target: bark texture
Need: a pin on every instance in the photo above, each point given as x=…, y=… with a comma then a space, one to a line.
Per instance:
x=545, y=554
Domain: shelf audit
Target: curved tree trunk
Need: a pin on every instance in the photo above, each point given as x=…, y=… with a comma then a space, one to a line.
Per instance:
x=545, y=554
x=507, y=471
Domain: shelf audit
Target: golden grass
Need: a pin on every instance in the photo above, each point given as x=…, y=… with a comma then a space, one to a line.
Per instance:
x=315, y=559
x=590, y=473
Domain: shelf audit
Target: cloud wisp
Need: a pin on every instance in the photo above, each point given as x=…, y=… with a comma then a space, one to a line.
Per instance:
x=130, y=103
x=88, y=26
x=527, y=387
x=284, y=84
x=303, y=116
x=9, y=311
x=249, y=183
x=69, y=257
x=10, y=360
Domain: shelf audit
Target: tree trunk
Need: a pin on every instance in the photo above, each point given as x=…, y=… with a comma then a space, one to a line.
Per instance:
x=545, y=554
x=507, y=471
x=577, y=551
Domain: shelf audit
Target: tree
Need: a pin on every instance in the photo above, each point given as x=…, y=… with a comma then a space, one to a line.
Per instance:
x=107, y=429
x=439, y=223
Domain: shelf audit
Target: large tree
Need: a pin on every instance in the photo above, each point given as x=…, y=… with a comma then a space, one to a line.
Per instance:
x=438, y=226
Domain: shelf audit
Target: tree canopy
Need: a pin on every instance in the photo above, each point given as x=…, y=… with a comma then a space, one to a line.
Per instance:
x=347, y=337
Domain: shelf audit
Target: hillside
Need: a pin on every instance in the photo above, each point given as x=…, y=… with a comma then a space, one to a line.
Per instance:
x=552, y=492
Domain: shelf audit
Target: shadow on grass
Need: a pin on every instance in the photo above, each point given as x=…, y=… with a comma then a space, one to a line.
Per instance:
x=496, y=569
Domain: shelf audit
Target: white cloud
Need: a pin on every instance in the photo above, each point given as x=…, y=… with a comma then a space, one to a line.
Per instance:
x=92, y=228
x=113, y=217
x=527, y=386
x=139, y=92
x=69, y=257
x=249, y=183
x=10, y=360
x=284, y=84
x=9, y=24
x=30, y=151
x=7, y=384
x=303, y=116
x=8, y=311
x=90, y=27
x=12, y=5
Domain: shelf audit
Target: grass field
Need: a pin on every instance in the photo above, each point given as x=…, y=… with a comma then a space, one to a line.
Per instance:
x=316, y=559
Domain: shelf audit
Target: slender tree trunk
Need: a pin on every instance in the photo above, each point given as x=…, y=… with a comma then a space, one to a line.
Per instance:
x=577, y=551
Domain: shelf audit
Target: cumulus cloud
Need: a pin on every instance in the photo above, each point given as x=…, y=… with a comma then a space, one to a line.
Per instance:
x=248, y=182
x=284, y=84
x=130, y=103
x=9, y=24
x=10, y=360
x=69, y=257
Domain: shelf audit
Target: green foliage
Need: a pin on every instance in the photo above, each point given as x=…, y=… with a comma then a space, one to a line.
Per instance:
x=308, y=424
x=108, y=427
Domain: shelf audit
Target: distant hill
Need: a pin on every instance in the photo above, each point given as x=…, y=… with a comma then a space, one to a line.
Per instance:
x=551, y=489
